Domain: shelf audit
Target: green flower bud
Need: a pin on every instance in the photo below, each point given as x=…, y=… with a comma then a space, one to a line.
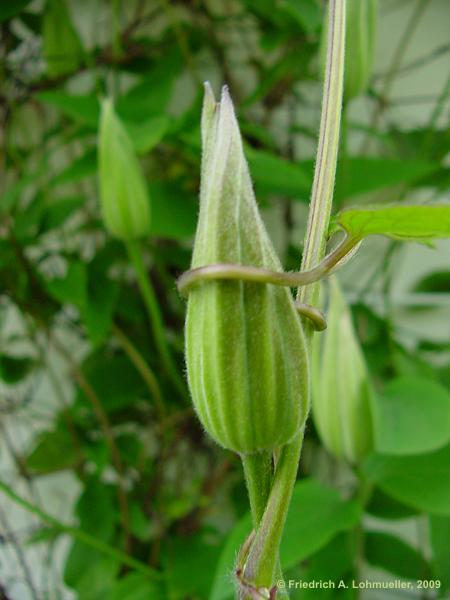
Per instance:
x=123, y=190
x=245, y=349
x=61, y=45
x=361, y=17
x=341, y=390
x=359, y=46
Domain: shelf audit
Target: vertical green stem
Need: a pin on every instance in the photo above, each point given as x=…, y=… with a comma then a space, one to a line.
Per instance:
x=258, y=477
x=154, y=313
x=262, y=561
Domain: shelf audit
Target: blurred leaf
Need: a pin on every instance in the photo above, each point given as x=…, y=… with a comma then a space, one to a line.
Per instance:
x=392, y=554
x=58, y=211
x=11, y=9
x=61, y=45
x=96, y=578
x=84, y=166
x=114, y=379
x=435, y=283
x=384, y=507
x=174, y=213
x=191, y=564
x=358, y=175
x=72, y=287
x=317, y=513
x=148, y=133
x=411, y=416
x=275, y=175
x=135, y=587
x=419, y=480
x=53, y=451
x=332, y=562
x=440, y=545
x=13, y=368
x=401, y=222
x=96, y=509
x=82, y=108
x=306, y=12
x=102, y=296
x=150, y=97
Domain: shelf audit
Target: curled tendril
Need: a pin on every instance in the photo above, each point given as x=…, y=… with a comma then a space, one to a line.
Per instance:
x=227, y=271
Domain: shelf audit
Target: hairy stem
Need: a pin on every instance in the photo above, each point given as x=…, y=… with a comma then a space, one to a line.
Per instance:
x=258, y=477
x=262, y=561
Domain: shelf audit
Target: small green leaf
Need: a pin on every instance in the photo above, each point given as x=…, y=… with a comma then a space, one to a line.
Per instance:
x=402, y=222
x=52, y=452
x=411, y=416
x=395, y=556
x=148, y=133
x=420, y=480
x=84, y=109
x=84, y=166
x=71, y=288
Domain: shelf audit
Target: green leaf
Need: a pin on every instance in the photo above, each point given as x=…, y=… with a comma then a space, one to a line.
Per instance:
x=332, y=562
x=102, y=295
x=358, y=175
x=148, y=133
x=420, y=480
x=401, y=222
x=275, y=175
x=392, y=554
x=72, y=287
x=52, y=452
x=84, y=166
x=174, y=212
x=440, y=546
x=114, y=379
x=13, y=368
x=82, y=108
x=150, y=97
x=135, y=587
x=58, y=211
x=317, y=513
x=11, y=9
x=191, y=563
x=384, y=507
x=306, y=12
x=411, y=416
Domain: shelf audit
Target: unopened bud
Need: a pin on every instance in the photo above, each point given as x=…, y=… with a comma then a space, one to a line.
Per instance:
x=341, y=389
x=123, y=190
x=245, y=348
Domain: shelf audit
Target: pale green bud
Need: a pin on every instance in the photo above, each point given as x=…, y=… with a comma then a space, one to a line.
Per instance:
x=359, y=46
x=341, y=390
x=123, y=190
x=62, y=47
x=245, y=348
x=361, y=23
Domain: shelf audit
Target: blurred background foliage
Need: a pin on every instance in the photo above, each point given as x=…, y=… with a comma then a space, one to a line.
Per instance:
x=110, y=488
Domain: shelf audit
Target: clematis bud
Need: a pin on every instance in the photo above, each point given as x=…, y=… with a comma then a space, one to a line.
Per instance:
x=359, y=46
x=123, y=190
x=245, y=349
x=361, y=17
x=341, y=390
